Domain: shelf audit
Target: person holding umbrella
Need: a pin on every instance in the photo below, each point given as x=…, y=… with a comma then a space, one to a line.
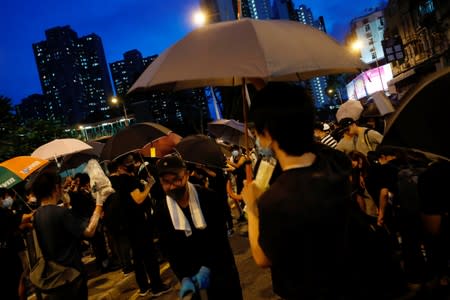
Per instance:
x=298, y=226
x=192, y=231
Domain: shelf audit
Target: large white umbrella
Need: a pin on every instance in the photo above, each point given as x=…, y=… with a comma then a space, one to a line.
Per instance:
x=60, y=147
x=227, y=53
x=237, y=52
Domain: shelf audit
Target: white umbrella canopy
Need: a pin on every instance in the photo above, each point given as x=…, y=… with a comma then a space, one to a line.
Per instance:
x=226, y=53
x=60, y=147
x=350, y=109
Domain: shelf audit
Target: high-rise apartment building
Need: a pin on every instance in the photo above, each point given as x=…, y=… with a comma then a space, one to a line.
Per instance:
x=368, y=31
x=256, y=9
x=125, y=72
x=219, y=10
x=284, y=10
x=317, y=85
x=73, y=73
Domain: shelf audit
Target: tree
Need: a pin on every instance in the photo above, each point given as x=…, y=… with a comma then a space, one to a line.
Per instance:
x=8, y=125
x=22, y=139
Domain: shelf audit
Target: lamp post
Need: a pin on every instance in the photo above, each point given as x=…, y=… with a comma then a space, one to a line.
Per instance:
x=357, y=46
x=199, y=18
x=115, y=100
x=83, y=131
x=332, y=92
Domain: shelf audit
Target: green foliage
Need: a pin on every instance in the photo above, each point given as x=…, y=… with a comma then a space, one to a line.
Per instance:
x=22, y=139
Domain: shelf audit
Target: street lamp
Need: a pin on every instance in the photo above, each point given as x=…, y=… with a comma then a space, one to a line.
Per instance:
x=115, y=100
x=357, y=46
x=332, y=92
x=83, y=131
x=199, y=18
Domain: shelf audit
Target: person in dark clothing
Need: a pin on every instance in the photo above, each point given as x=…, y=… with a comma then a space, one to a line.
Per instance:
x=139, y=227
x=83, y=205
x=81, y=200
x=115, y=221
x=10, y=246
x=215, y=179
x=193, y=234
x=435, y=207
x=238, y=162
x=299, y=226
x=59, y=232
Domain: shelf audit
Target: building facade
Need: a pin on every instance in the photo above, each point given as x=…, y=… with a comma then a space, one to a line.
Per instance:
x=421, y=30
x=73, y=74
x=257, y=9
x=368, y=32
x=125, y=72
x=284, y=10
x=317, y=85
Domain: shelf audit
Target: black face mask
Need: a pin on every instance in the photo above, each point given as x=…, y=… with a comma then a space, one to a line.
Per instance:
x=177, y=193
x=130, y=168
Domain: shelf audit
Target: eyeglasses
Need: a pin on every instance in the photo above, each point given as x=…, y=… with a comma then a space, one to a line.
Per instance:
x=177, y=180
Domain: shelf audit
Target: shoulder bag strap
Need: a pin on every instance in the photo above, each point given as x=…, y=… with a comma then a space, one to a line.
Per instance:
x=37, y=248
x=366, y=139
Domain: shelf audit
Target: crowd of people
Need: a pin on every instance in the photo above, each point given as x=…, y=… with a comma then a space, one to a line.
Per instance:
x=341, y=217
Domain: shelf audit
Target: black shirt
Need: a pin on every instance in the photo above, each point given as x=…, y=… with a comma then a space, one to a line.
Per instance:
x=303, y=219
x=59, y=233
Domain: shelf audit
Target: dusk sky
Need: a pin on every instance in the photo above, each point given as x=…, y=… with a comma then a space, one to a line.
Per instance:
x=149, y=26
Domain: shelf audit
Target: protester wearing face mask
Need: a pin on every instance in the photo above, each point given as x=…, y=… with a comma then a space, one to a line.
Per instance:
x=138, y=226
x=238, y=161
x=192, y=228
x=298, y=226
x=10, y=246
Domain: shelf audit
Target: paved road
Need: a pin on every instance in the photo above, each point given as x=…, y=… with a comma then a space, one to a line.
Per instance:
x=255, y=282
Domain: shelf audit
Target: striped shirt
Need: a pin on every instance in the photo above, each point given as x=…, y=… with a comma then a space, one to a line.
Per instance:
x=329, y=141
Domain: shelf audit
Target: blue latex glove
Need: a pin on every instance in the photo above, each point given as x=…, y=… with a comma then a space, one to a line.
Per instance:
x=187, y=286
x=202, y=278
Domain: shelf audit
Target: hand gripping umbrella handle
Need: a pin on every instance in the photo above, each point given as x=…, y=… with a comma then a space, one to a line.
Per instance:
x=248, y=172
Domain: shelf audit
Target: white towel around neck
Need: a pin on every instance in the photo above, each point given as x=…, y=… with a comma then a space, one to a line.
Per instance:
x=179, y=220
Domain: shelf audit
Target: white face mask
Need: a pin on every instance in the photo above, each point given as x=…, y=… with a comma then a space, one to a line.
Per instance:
x=7, y=202
x=235, y=153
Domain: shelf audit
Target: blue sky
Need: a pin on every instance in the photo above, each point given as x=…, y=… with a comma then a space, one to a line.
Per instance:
x=147, y=25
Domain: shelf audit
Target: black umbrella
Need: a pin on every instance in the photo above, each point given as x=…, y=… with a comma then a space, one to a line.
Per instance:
x=420, y=122
x=231, y=131
x=201, y=149
x=131, y=139
x=72, y=161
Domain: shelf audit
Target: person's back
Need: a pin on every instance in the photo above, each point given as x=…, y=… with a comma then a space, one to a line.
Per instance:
x=308, y=245
x=59, y=232
x=59, y=239
x=298, y=226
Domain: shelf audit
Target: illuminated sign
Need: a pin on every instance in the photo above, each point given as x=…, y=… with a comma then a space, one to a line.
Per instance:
x=369, y=82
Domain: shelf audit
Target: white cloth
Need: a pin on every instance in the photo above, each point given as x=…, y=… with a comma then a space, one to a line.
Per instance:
x=100, y=183
x=179, y=220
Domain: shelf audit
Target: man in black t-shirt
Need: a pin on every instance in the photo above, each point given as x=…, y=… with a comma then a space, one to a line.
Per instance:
x=298, y=227
x=139, y=227
x=59, y=232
